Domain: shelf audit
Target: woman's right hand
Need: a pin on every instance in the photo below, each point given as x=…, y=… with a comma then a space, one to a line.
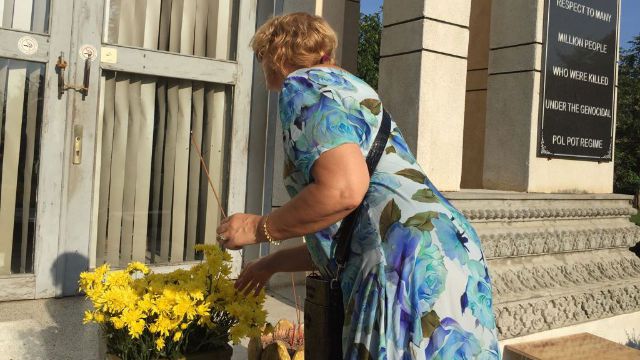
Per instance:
x=255, y=276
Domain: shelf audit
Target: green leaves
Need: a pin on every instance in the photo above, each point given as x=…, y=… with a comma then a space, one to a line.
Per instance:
x=390, y=214
x=413, y=174
x=369, y=47
x=425, y=195
x=372, y=104
x=627, y=147
x=422, y=220
x=289, y=168
x=430, y=323
x=363, y=352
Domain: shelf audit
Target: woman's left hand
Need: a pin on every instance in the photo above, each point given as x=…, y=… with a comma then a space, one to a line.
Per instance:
x=239, y=230
x=255, y=276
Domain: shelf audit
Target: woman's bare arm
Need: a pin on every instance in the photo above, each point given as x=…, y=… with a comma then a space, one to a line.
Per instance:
x=256, y=274
x=291, y=260
x=341, y=180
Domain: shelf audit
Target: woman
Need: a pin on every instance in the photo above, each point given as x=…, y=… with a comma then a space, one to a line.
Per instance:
x=416, y=284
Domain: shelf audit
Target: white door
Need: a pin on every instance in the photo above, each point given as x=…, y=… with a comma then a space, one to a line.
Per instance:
x=33, y=122
x=124, y=179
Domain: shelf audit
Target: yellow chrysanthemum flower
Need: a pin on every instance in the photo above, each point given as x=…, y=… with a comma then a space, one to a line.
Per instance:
x=136, y=328
x=184, y=307
x=88, y=317
x=160, y=344
x=177, y=336
x=99, y=317
x=146, y=304
x=161, y=326
x=202, y=309
x=118, y=278
x=117, y=323
x=137, y=266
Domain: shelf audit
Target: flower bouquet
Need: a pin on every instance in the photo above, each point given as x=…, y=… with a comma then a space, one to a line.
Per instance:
x=171, y=316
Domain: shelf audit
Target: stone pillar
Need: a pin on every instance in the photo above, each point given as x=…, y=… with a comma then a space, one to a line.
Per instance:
x=343, y=17
x=423, y=71
x=476, y=99
x=351, y=32
x=333, y=11
x=308, y=6
x=510, y=161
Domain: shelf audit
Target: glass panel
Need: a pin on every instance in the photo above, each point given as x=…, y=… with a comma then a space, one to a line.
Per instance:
x=21, y=97
x=155, y=202
x=28, y=15
x=206, y=28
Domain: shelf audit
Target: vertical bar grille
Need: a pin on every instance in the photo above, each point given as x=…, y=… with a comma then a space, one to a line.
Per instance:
x=27, y=15
x=190, y=27
x=155, y=203
x=21, y=96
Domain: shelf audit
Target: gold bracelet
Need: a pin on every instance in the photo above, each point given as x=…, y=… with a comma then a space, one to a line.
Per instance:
x=266, y=232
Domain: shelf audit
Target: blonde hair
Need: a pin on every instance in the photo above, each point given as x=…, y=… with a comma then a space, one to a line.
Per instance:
x=295, y=40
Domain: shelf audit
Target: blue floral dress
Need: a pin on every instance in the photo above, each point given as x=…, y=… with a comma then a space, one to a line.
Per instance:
x=416, y=285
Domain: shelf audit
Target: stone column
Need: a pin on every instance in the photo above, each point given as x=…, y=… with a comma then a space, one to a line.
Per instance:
x=351, y=32
x=343, y=17
x=510, y=161
x=476, y=98
x=423, y=70
x=308, y=6
x=333, y=11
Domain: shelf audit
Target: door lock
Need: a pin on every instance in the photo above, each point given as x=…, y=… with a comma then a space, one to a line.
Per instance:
x=61, y=65
x=77, y=144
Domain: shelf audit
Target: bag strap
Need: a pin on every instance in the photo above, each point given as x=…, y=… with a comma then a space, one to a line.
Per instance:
x=345, y=231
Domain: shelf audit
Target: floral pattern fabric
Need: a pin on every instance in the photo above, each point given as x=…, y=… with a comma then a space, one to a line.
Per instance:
x=416, y=285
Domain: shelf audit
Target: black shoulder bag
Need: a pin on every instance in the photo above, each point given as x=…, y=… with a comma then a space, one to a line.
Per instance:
x=323, y=307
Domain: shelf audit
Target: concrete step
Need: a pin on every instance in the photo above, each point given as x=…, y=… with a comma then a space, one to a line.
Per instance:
x=555, y=259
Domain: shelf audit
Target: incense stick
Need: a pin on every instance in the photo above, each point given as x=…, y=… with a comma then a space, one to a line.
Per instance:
x=295, y=298
x=206, y=171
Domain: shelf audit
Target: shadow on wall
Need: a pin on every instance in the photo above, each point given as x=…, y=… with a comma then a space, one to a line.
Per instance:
x=51, y=328
x=66, y=270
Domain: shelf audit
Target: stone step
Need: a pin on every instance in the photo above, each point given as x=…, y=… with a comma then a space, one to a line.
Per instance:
x=551, y=291
x=524, y=278
x=556, y=239
x=583, y=346
x=505, y=206
x=555, y=259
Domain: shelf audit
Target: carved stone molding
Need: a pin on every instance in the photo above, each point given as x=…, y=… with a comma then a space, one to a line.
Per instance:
x=517, y=282
x=557, y=241
x=555, y=260
x=520, y=214
x=535, y=315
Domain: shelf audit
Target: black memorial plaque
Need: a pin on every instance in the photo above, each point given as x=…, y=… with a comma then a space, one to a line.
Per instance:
x=578, y=77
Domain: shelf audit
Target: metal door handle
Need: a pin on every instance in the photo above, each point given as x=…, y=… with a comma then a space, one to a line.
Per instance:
x=61, y=65
x=87, y=75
